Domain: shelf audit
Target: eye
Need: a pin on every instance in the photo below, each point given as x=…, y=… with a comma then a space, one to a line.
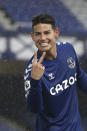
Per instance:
x=37, y=33
x=46, y=32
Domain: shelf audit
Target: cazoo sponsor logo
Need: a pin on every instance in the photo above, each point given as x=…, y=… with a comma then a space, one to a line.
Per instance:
x=65, y=84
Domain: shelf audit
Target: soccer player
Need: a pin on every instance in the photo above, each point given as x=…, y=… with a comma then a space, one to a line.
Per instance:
x=52, y=77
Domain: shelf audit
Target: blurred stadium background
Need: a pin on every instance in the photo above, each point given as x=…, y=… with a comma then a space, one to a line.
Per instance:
x=16, y=48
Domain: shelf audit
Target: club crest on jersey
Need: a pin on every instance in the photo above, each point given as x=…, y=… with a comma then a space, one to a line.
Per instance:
x=71, y=62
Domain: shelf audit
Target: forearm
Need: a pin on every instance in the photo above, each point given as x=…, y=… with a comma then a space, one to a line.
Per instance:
x=34, y=98
x=82, y=80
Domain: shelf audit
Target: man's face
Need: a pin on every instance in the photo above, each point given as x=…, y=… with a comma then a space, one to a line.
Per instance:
x=44, y=37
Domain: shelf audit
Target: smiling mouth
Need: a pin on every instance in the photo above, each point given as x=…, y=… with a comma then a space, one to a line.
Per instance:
x=43, y=44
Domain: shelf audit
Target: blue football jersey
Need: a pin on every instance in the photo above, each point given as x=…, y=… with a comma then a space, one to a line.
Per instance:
x=54, y=97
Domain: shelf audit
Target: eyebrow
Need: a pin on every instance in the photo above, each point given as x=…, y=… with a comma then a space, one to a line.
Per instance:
x=44, y=31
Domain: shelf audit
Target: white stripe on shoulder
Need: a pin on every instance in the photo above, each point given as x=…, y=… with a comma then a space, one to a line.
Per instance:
x=58, y=43
x=64, y=43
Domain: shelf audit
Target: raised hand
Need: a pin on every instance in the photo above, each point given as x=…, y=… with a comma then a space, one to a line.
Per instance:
x=37, y=68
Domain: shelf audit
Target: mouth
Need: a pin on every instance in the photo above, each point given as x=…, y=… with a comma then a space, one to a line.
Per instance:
x=43, y=44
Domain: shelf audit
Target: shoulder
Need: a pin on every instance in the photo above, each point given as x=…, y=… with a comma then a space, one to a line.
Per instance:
x=65, y=46
x=66, y=50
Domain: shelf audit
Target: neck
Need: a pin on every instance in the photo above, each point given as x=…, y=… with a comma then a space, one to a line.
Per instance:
x=50, y=55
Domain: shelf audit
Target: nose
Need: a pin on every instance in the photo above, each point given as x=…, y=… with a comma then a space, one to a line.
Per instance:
x=43, y=37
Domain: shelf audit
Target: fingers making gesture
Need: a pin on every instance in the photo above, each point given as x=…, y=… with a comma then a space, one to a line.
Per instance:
x=37, y=68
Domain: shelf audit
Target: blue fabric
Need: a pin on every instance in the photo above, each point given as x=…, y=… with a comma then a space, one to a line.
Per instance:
x=54, y=96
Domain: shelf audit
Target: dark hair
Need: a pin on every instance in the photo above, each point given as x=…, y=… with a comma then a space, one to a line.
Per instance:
x=45, y=19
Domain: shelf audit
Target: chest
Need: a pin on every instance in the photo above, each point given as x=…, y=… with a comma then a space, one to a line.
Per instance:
x=60, y=76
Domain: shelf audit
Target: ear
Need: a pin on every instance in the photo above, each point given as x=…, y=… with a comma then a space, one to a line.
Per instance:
x=57, y=33
x=32, y=35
